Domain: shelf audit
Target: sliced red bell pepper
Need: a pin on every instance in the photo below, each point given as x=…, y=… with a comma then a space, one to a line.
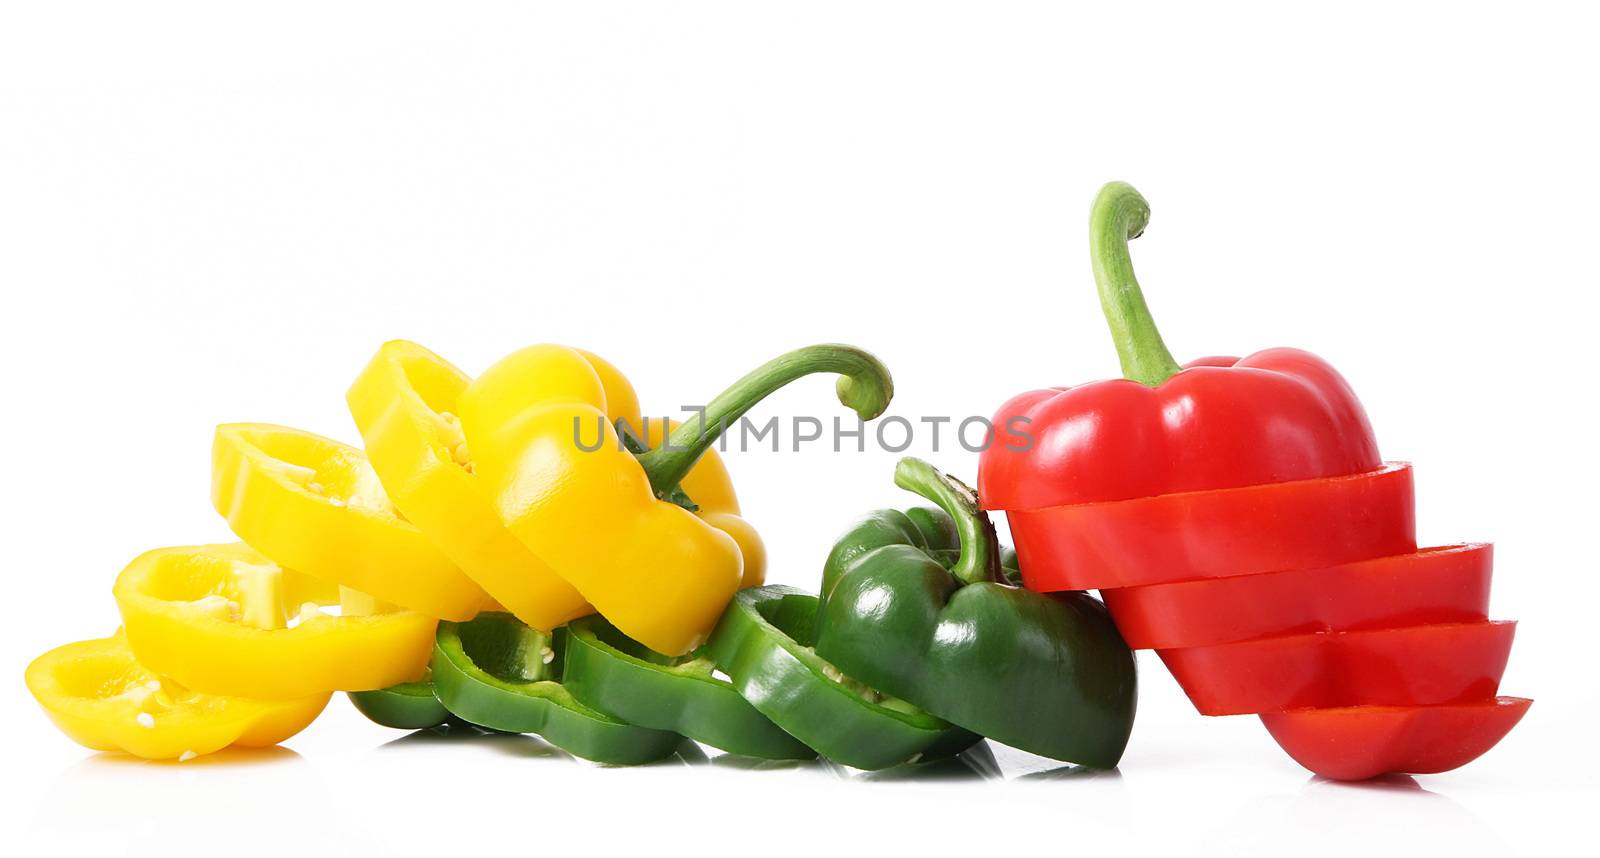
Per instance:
x=1225, y=468
x=1449, y=584
x=1219, y=533
x=1359, y=742
x=1416, y=665
x=1277, y=415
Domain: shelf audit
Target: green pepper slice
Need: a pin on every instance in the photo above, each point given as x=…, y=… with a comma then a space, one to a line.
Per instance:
x=495, y=672
x=763, y=644
x=1044, y=672
x=611, y=672
x=407, y=706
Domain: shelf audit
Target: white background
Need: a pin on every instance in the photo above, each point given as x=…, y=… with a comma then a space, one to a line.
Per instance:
x=210, y=213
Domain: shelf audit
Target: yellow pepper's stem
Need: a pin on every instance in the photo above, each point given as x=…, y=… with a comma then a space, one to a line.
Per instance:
x=864, y=386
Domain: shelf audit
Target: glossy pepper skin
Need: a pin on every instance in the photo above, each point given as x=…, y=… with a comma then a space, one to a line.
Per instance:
x=215, y=618
x=1360, y=742
x=612, y=522
x=1262, y=549
x=1218, y=533
x=1448, y=584
x=406, y=706
x=1410, y=665
x=1046, y=673
x=315, y=505
x=1277, y=415
x=104, y=699
x=406, y=404
x=764, y=644
x=607, y=671
x=498, y=673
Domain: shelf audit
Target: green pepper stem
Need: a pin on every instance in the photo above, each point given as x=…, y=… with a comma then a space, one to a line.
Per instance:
x=864, y=386
x=1119, y=215
x=980, y=547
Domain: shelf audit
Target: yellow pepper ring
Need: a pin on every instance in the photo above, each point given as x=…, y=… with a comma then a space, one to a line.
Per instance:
x=711, y=489
x=103, y=699
x=223, y=619
x=598, y=515
x=315, y=505
x=404, y=403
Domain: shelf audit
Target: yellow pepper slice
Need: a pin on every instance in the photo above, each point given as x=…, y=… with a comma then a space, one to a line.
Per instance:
x=711, y=488
x=546, y=453
x=315, y=505
x=404, y=403
x=223, y=619
x=102, y=698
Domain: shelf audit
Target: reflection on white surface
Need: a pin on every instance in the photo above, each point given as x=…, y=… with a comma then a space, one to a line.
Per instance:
x=356, y=788
x=1356, y=819
x=244, y=802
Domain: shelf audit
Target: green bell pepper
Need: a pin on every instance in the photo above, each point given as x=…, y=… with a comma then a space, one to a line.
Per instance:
x=495, y=672
x=609, y=671
x=407, y=706
x=1044, y=672
x=763, y=644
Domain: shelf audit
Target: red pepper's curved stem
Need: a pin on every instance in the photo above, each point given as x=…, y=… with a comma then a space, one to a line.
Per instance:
x=864, y=386
x=980, y=547
x=1119, y=215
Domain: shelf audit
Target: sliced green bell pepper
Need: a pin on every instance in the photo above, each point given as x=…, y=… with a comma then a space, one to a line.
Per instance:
x=1044, y=672
x=407, y=706
x=495, y=672
x=763, y=644
x=609, y=671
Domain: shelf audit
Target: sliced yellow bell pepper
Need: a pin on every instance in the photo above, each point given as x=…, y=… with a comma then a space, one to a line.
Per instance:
x=710, y=487
x=404, y=403
x=102, y=698
x=223, y=619
x=315, y=505
x=608, y=521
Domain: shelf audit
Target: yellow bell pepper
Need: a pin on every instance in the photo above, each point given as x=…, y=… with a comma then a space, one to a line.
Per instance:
x=223, y=619
x=315, y=505
x=102, y=698
x=711, y=489
x=612, y=523
x=404, y=403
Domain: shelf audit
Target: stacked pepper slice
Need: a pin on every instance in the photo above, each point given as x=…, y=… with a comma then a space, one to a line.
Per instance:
x=766, y=645
x=615, y=674
x=497, y=673
x=104, y=699
x=1238, y=518
x=655, y=550
x=348, y=566
x=224, y=619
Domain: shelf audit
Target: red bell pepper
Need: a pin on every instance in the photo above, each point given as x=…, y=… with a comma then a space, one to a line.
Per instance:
x=1271, y=554
x=1277, y=415
x=1365, y=741
x=1212, y=534
x=1409, y=666
x=1434, y=585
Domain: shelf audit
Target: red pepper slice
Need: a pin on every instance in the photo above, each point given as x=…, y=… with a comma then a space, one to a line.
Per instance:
x=1359, y=742
x=1220, y=422
x=1416, y=665
x=1449, y=584
x=1218, y=533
